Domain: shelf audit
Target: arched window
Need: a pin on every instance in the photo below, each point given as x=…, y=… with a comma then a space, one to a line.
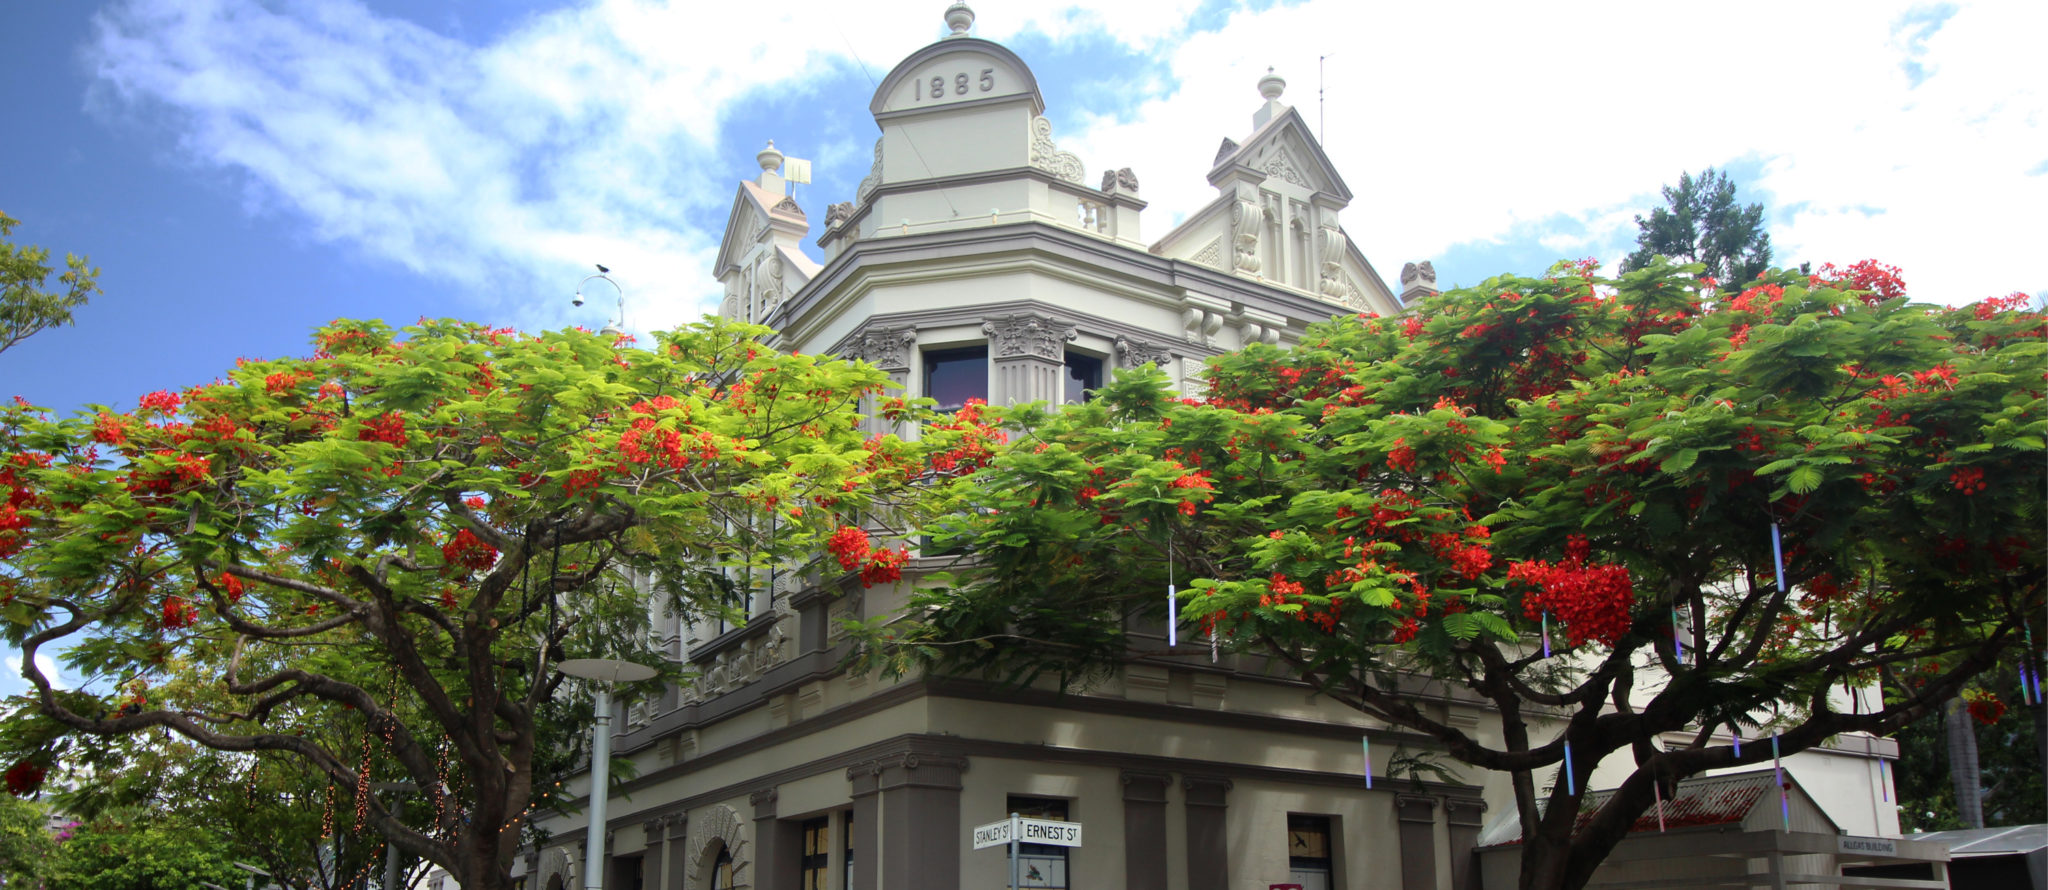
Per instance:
x=721, y=870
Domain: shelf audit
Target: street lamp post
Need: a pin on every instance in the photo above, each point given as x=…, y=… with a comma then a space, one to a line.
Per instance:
x=602, y=673
x=614, y=328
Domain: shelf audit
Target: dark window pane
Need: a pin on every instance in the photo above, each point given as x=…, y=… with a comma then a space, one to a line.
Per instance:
x=1084, y=376
x=952, y=376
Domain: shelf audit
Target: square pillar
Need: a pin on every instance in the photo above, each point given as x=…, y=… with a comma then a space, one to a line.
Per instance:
x=867, y=811
x=1464, y=814
x=676, y=869
x=1417, y=817
x=921, y=833
x=777, y=844
x=1145, y=830
x=1208, y=847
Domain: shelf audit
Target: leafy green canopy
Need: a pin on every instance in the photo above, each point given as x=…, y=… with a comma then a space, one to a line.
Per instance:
x=25, y=307
x=1607, y=458
x=1703, y=224
x=367, y=562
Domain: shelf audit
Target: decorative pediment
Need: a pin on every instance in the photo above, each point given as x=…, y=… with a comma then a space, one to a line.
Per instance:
x=1284, y=149
x=756, y=214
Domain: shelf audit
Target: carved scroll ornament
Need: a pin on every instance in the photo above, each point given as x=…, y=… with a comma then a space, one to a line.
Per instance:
x=1048, y=157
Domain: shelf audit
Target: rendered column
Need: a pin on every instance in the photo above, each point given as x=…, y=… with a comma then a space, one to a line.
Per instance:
x=1417, y=816
x=1465, y=816
x=1145, y=830
x=867, y=813
x=921, y=833
x=1208, y=848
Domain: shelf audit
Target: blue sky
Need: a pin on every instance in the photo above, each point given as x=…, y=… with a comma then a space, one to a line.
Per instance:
x=244, y=171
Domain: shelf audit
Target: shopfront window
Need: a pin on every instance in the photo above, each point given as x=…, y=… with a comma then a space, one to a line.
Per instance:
x=1308, y=852
x=1041, y=865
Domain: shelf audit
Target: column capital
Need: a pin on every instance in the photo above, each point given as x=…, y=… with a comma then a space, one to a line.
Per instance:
x=1205, y=791
x=1415, y=807
x=1026, y=335
x=763, y=802
x=1145, y=787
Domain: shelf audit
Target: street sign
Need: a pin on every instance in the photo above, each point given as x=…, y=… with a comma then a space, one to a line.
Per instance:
x=1029, y=831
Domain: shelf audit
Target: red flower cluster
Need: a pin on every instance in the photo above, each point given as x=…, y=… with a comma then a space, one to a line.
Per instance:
x=19, y=495
x=110, y=429
x=467, y=551
x=877, y=565
x=1402, y=458
x=1882, y=282
x=1968, y=480
x=283, y=383
x=161, y=401
x=179, y=613
x=1591, y=599
x=230, y=585
x=977, y=442
x=850, y=544
x=24, y=778
x=646, y=443
x=185, y=470
x=388, y=428
x=1985, y=707
x=884, y=567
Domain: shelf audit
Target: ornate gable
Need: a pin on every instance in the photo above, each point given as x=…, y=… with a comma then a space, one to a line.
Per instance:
x=1285, y=150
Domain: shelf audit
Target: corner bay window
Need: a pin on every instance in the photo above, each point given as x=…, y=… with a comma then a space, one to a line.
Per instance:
x=1084, y=377
x=952, y=376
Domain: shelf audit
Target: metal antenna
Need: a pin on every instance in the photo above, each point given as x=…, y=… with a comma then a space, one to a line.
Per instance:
x=1319, y=100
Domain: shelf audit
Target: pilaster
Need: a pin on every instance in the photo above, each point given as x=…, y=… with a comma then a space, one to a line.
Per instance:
x=1208, y=850
x=1030, y=358
x=1145, y=829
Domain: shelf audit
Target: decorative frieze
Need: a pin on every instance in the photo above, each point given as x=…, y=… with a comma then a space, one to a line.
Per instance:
x=1211, y=254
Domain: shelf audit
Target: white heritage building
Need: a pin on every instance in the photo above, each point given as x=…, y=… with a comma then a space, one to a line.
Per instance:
x=977, y=259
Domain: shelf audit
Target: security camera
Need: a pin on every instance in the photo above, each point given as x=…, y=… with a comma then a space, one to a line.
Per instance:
x=579, y=299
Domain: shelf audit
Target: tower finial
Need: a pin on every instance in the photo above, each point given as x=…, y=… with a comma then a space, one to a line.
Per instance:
x=1272, y=85
x=769, y=159
x=959, y=18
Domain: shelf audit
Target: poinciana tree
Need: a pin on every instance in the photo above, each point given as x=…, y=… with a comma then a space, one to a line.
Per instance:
x=372, y=558
x=1609, y=461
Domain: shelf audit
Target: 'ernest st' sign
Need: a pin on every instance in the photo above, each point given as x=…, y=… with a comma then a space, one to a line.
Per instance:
x=1029, y=831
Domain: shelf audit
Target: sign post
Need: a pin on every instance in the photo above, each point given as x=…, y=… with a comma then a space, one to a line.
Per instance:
x=1014, y=830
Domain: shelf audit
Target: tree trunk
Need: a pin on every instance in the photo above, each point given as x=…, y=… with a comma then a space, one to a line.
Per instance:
x=1963, y=767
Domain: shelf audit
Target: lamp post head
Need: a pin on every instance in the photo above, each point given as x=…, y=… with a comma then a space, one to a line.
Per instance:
x=579, y=299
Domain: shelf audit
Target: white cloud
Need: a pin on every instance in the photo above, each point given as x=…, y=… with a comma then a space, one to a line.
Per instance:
x=591, y=133
x=43, y=662
x=1457, y=124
